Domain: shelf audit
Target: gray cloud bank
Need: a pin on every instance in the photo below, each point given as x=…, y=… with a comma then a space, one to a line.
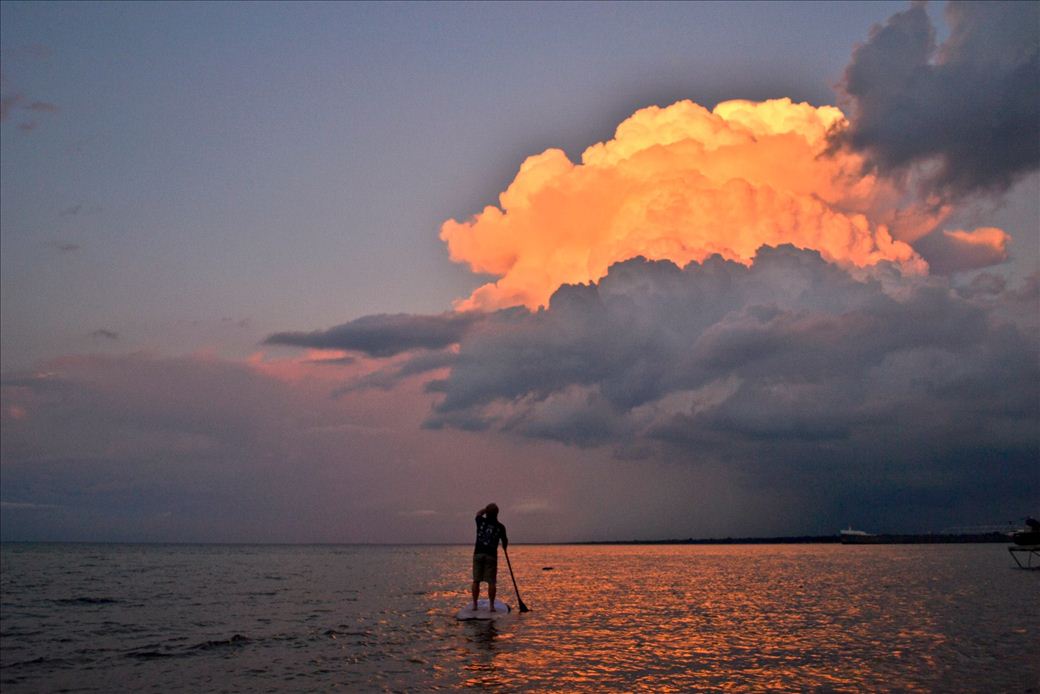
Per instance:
x=759, y=352
x=893, y=390
x=383, y=335
x=966, y=109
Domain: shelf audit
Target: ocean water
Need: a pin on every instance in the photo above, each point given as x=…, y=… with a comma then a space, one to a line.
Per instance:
x=604, y=618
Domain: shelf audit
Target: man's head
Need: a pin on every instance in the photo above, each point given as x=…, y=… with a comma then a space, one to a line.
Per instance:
x=492, y=511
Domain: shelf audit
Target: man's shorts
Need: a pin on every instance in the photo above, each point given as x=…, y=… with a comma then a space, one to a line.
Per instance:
x=485, y=567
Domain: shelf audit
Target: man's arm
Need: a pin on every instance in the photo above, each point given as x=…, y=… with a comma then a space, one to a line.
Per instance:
x=505, y=538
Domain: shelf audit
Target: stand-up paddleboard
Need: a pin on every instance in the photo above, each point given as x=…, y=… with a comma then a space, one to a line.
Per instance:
x=482, y=611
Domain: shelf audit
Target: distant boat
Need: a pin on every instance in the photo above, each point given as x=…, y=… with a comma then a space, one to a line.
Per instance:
x=858, y=537
x=1026, y=545
x=1028, y=536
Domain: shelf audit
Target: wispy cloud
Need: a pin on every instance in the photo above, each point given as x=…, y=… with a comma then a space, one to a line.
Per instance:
x=7, y=103
x=27, y=506
x=41, y=107
x=13, y=101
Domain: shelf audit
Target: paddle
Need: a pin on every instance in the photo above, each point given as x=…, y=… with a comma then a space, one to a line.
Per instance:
x=523, y=607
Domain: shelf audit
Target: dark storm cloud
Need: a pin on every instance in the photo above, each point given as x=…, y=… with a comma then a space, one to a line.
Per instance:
x=105, y=334
x=801, y=336
x=790, y=369
x=968, y=109
x=384, y=335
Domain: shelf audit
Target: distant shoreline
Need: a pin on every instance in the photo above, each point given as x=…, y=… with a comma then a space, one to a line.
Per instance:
x=881, y=539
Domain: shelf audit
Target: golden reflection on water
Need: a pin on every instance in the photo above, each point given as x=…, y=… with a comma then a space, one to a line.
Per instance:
x=607, y=618
x=732, y=618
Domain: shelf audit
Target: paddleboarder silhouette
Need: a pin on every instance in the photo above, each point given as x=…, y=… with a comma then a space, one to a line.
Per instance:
x=485, y=552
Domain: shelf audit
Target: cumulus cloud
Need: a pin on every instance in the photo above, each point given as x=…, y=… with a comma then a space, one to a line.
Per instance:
x=928, y=125
x=683, y=183
x=961, y=116
x=383, y=335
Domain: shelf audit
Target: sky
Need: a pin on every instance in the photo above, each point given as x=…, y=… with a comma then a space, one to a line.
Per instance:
x=348, y=272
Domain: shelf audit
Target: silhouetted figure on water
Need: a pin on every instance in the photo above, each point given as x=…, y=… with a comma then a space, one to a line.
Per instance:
x=485, y=552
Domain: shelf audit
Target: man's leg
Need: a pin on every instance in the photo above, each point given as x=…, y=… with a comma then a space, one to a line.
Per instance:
x=491, y=594
x=476, y=593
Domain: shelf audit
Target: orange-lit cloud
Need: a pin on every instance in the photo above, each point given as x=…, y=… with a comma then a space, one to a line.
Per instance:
x=682, y=183
x=989, y=240
x=957, y=250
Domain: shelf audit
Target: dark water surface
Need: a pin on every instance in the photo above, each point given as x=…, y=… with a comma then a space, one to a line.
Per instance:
x=625, y=618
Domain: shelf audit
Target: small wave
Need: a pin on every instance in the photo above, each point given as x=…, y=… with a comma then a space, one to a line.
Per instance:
x=86, y=601
x=234, y=641
x=153, y=652
x=333, y=633
x=49, y=662
x=151, y=655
